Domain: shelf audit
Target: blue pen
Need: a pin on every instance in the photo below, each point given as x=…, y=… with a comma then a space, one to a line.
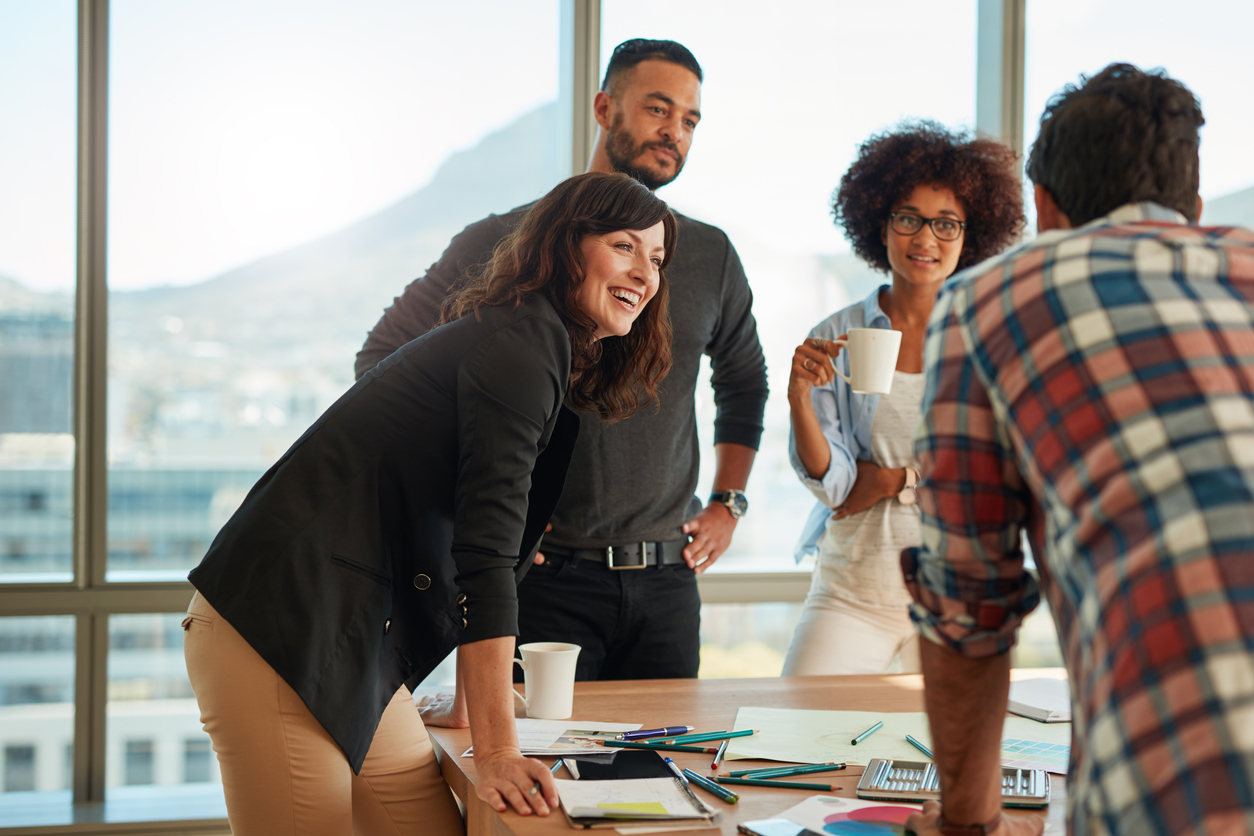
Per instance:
x=679, y=773
x=641, y=734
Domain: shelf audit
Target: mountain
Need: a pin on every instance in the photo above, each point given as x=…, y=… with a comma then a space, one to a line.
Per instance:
x=344, y=280
x=1236, y=209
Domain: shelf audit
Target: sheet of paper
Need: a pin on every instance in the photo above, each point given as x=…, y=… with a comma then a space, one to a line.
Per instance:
x=563, y=737
x=805, y=736
x=1035, y=754
x=1050, y=697
x=828, y=814
x=638, y=798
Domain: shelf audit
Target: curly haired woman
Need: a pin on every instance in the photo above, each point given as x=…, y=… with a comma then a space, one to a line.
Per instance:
x=920, y=203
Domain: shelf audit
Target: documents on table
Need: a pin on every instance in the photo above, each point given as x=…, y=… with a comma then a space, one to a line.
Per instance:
x=1046, y=700
x=804, y=736
x=599, y=804
x=563, y=738
x=828, y=814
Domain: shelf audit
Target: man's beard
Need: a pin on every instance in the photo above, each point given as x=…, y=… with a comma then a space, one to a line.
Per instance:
x=622, y=151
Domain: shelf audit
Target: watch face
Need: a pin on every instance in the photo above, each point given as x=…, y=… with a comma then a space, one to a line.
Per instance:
x=907, y=496
x=734, y=500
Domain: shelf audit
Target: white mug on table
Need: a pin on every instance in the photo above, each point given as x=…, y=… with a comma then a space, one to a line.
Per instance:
x=549, y=674
x=872, y=359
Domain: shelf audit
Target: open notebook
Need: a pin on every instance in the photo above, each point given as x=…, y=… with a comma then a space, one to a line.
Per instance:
x=596, y=804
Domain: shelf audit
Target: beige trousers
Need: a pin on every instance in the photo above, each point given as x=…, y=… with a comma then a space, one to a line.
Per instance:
x=283, y=774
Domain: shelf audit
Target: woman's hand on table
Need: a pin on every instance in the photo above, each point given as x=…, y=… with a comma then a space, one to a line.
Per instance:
x=927, y=823
x=873, y=484
x=811, y=366
x=507, y=779
x=443, y=710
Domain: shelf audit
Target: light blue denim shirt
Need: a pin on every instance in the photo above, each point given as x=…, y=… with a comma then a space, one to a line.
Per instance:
x=845, y=418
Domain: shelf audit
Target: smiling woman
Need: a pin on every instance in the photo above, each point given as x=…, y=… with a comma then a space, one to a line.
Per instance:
x=920, y=202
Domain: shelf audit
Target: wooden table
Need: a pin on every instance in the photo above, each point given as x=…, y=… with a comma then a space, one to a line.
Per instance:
x=706, y=704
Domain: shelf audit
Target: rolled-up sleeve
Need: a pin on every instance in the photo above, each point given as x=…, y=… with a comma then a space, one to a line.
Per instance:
x=842, y=470
x=970, y=588
x=508, y=389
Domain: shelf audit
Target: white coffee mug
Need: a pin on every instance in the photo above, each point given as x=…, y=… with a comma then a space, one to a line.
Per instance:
x=549, y=673
x=872, y=359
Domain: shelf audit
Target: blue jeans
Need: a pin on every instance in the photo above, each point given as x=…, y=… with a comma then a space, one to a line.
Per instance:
x=630, y=623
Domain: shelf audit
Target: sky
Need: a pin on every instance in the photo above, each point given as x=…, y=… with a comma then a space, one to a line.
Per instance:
x=243, y=128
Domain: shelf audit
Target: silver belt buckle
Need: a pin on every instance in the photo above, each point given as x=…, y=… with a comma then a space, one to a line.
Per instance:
x=644, y=559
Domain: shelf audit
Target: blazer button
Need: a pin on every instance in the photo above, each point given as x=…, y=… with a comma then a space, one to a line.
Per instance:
x=463, y=624
x=461, y=599
x=387, y=624
x=422, y=581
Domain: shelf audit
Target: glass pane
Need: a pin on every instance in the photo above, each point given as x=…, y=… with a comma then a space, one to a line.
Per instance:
x=36, y=715
x=1065, y=39
x=264, y=211
x=156, y=752
x=38, y=104
x=745, y=640
x=776, y=134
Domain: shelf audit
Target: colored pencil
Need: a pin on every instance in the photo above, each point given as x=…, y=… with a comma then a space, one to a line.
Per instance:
x=711, y=787
x=657, y=747
x=916, y=744
x=867, y=733
x=788, y=785
x=718, y=756
x=698, y=738
x=781, y=771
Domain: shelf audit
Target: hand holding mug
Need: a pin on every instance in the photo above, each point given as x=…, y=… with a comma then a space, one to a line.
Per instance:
x=812, y=365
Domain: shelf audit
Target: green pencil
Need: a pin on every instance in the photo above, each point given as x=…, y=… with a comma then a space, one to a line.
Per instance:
x=657, y=747
x=781, y=771
x=697, y=738
x=788, y=785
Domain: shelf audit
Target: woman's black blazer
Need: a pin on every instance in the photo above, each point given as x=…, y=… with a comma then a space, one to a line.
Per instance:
x=399, y=524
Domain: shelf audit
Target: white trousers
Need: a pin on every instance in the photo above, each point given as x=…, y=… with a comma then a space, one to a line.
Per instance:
x=836, y=636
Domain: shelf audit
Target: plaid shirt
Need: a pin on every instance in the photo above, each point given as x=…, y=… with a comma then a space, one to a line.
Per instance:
x=1095, y=388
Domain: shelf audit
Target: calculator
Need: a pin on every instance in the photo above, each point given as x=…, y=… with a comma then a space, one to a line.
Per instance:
x=892, y=780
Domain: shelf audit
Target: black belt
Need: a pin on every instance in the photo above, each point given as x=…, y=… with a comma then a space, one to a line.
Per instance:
x=630, y=556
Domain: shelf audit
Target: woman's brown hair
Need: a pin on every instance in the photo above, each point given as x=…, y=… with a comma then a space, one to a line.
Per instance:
x=614, y=376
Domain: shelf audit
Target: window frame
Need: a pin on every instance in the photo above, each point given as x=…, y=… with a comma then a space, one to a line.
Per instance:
x=91, y=598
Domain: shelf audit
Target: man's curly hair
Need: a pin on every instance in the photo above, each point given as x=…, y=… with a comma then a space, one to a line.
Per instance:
x=980, y=172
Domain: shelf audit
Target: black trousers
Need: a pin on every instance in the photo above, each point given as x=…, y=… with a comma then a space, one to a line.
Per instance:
x=630, y=623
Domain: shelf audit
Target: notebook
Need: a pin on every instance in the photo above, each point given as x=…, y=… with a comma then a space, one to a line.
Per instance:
x=1046, y=700
x=611, y=803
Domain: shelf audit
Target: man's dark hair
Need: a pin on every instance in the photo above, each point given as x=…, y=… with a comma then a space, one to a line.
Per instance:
x=630, y=53
x=1122, y=136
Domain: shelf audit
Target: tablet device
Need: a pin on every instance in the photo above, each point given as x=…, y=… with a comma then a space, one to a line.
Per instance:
x=626, y=763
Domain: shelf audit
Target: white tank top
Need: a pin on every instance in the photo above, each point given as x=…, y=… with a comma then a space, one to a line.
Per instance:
x=860, y=555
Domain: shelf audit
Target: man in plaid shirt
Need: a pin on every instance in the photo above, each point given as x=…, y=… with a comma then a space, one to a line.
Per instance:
x=1095, y=388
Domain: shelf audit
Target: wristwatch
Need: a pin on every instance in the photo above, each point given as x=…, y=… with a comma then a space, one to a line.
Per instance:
x=733, y=499
x=907, y=495
x=948, y=829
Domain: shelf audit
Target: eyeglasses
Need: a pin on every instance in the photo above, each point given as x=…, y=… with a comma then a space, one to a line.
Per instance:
x=908, y=223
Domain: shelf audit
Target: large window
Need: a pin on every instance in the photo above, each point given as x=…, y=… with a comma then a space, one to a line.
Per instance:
x=1205, y=46
x=37, y=108
x=265, y=209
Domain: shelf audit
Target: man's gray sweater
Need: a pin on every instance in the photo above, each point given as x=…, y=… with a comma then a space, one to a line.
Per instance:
x=633, y=480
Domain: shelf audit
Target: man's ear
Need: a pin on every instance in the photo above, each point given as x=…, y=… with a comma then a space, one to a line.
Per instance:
x=1048, y=215
x=601, y=109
